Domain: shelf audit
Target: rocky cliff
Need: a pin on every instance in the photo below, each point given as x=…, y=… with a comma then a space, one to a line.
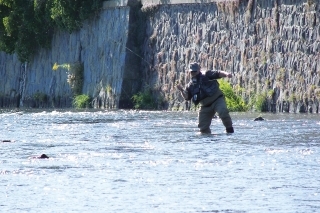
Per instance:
x=100, y=47
x=270, y=46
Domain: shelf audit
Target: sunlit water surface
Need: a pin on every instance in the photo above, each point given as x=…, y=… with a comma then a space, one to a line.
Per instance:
x=142, y=161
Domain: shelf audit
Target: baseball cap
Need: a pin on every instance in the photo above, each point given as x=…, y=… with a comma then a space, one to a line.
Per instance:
x=193, y=66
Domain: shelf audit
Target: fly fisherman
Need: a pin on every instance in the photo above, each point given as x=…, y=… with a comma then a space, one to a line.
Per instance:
x=204, y=89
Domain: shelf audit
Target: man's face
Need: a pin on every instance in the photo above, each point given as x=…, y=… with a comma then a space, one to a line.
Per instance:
x=194, y=73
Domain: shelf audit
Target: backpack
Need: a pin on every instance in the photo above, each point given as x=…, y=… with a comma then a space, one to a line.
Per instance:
x=202, y=87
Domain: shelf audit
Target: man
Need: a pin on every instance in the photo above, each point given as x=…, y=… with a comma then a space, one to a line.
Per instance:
x=204, y=89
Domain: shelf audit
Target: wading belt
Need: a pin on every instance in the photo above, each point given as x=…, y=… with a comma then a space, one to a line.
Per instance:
x=214, y=100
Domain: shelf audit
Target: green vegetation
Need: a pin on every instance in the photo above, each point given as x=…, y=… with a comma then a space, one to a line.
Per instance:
x=81, y=101
x=74, y=75
x=27, y=25
x=270, y=93
x=108, y=90
x=258, y=102
x=293, y=97
x=317, y=93
x=145, y=100
x=234, y=102
x=39, y=96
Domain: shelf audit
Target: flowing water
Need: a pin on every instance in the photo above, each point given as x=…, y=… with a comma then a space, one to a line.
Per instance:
x=155, y=161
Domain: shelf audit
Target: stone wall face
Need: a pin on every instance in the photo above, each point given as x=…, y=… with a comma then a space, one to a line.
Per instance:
x=271, y=47
x=10, y=81
x=100, y=45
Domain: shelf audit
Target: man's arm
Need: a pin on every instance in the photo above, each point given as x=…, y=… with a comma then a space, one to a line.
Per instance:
x=223, y=74
x=183, y=92
x=217, y=74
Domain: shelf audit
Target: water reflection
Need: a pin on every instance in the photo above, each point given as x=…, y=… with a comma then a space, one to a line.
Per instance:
x=138, y=161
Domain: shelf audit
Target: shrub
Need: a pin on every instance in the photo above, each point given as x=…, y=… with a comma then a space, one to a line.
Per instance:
x=74, y=75
x=27, y=26
x=235, y=103
x=259, y=102
x=144, y=100
x=81, y=101
x=39, y=96
x=69, y=15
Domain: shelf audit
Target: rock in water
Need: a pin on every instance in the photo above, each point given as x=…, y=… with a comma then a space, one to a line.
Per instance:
x=259, y=119
x=43, y=156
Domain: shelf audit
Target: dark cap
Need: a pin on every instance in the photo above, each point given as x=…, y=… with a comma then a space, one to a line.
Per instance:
x=194, y=67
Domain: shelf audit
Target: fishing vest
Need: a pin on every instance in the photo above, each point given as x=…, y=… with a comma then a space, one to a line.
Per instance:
x=202, y=87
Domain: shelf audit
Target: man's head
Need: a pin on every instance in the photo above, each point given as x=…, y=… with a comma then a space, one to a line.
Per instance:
x=194, y=69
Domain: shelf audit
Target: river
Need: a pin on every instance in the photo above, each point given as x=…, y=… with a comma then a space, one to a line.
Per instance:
x=155, y=161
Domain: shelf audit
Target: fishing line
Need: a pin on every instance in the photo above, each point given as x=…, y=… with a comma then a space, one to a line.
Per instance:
x=114, y=41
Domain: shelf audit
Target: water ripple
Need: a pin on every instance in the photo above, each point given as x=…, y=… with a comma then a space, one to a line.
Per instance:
x=155, y=161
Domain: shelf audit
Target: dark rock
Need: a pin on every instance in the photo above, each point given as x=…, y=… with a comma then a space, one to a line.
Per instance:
x=43, y=156
x=259, y=119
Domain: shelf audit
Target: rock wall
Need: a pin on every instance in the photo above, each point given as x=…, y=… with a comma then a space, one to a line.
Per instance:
x=100, y=46
x=271, y=47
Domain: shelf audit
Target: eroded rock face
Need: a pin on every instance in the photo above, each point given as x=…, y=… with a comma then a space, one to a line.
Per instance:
x=269, y=48
x=100, y=45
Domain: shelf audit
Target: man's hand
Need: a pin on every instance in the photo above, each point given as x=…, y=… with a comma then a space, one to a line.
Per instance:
x=229, y=75
x=179, y=87
x=183, y=93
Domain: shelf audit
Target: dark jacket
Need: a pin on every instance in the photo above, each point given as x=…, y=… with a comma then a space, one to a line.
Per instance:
x=203, y=86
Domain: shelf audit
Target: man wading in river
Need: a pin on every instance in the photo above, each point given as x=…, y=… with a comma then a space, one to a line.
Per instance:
x=204, y=89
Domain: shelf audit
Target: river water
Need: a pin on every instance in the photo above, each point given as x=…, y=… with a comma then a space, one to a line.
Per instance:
x=155, y=161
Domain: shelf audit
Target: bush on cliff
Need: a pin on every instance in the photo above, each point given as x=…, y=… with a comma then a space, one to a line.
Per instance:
x=81, y=101
x=74, y=72
x=144, y=100
x=259, y=101
x=149, y=99
x=26, y=26
x=234, y=102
